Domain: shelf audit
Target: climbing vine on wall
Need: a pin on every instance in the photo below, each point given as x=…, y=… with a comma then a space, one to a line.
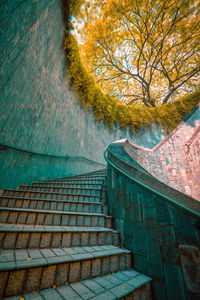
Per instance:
x=110, y=109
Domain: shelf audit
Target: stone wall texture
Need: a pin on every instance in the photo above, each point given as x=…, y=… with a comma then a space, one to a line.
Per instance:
x=40, y=112
x=176, y=159
x=164, y=239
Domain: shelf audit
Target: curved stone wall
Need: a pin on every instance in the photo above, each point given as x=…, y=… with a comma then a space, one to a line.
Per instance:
x=40, y=112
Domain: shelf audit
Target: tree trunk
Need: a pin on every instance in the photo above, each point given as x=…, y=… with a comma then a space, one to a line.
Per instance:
x=167, y=97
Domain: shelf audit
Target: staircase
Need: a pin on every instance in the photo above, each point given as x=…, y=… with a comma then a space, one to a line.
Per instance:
x=57, y=242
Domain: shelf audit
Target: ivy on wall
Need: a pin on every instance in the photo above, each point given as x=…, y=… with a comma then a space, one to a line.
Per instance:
x=110, y=109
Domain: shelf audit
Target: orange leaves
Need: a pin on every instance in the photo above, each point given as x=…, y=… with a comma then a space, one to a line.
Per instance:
x=112, y=53
x=141, y=48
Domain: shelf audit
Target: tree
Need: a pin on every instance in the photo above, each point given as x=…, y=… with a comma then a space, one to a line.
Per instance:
x=142, y=51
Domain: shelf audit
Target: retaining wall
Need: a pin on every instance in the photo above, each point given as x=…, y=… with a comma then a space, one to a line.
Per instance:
x=176, y=159
x=40, y=112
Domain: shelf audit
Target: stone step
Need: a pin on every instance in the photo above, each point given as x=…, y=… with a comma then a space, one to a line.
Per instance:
x=89, y=176
x=85, y=180
x=61, y=205
x=124, y=285
x=50, y=204
x=93, y=175
x=64, y=181
x=72, y=184
x=104, y=170
x=22, y=236
x=54, y=196
x=104, y=173
x=64, y=190
x=60, y=218
x=100, y=177
x=23, y=271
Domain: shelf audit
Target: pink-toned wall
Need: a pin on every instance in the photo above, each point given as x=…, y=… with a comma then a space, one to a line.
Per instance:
x=176, y=159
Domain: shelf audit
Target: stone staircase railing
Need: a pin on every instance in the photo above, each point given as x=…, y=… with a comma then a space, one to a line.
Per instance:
x=160, y=225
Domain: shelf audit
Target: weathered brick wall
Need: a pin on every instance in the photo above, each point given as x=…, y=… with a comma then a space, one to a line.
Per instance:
x=40, y=112
x=176, y=159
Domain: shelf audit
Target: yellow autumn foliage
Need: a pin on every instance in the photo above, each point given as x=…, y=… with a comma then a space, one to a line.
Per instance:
x=110, y=109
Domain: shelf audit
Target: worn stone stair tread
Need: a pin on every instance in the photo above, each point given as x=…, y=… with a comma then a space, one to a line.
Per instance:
x=58, y=187
x=53, y=217
x=73, y=180
x=5, y=227
x=90, y=174
x=53, y=211
x=52, y=193
x=54, y=205
x=23, y=236
x=103, y=175
x=58, y=184
x=103, y=170
x=102, y=178
x=84, y=180
x=78, y=178
x=106, y=287
x=29, y=258
x=52, y=200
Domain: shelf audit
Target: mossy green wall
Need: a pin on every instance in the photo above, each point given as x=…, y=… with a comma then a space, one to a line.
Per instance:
x=40, y=112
